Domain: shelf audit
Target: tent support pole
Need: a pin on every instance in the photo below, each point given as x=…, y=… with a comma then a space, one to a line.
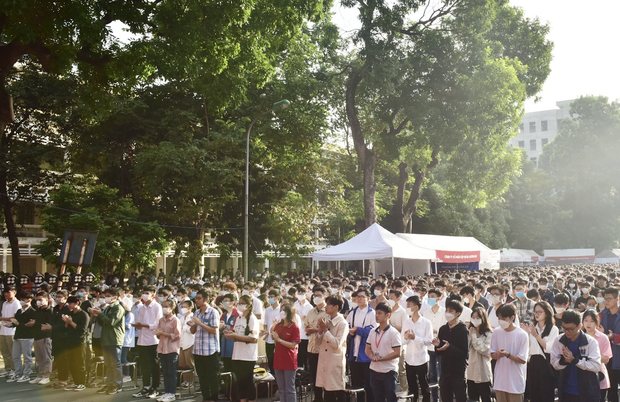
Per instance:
x=393, y=273
x=313, y=269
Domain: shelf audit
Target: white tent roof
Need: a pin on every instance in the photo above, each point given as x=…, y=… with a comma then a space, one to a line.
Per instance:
x=519, y=255
x=451, y=248
x=374, y=243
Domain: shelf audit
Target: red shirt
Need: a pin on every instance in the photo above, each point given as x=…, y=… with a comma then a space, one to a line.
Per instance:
x=286, y=358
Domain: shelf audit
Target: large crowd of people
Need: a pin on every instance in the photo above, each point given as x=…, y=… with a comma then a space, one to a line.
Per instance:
x=523, y=333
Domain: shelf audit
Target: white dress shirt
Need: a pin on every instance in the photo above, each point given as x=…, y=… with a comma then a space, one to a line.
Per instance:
x=149, y=315
x=437, y=319
x=363, y=318
x=417, y=349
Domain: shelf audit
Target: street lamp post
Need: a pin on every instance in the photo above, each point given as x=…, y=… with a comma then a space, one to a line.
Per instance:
x=283, y=104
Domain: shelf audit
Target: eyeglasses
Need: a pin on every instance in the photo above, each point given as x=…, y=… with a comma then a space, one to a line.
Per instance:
x=569, y=329
x=610, y=298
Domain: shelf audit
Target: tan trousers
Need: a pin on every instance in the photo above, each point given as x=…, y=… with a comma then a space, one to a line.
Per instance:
x=402, y=372
x=502, y=396
x=6, y=348
x=186, y=360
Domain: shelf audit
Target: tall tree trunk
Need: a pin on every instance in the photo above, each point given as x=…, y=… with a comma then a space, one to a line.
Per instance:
x=7, y=207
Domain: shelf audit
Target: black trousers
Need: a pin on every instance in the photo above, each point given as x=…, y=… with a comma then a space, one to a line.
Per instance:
x=478, y=390
x=540, y=385
x=335, y=396
x=614, y=380
x=207, y=370
x=150, y=366
x=452, y=385
x=228, y=367
x=360, y=378
x=244, y=371
x=418, y=375
x=61, y=363
x=302, y=354
x=75, y=358
x=313, y=362
x=270, y=348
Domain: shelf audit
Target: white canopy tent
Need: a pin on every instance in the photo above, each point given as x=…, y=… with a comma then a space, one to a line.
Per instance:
x=374, y=243
x=608, y=256
x=570, y=256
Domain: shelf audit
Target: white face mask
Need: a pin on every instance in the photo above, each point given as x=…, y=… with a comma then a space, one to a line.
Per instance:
x=282, y=315
x=241, y=308
x=318, y=300
x=108, y=300
x=476, y=322
x=335, y=291
x=391, y=303
x=225, y=305
x=347, y=295
x=409, y=311
x=504, y=324
x=165, y=310
x=134, y=300
x=301, y=297
x=560, y=310
x=378, y=292
x=146, y=297
x=495, y=299
x=449, y=316
x=184, y=310
x=466, y=300
x=543, y=287
x=245, y=292
x=585, y=290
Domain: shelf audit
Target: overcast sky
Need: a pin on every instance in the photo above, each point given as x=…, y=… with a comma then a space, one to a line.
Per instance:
x=586, y=55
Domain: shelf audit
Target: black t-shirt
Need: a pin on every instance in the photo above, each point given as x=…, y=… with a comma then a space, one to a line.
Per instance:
x=77, y=336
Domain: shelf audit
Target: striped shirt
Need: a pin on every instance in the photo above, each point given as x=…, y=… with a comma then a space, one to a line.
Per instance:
x=205, y=343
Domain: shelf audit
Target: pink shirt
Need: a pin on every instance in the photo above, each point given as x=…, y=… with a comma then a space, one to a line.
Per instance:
x=172, y=326
x=605, y=348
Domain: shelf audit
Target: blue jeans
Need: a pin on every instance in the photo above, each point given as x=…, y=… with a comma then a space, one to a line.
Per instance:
x=384, y=386
x=286, y=385
x=112, y=360
x=124, y=354
x=434, y=368
x=169, y=364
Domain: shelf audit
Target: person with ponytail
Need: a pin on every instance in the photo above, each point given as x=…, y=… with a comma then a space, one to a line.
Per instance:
x=169, y=334
x=479, y=373
x=287, y=337
x=245, y=349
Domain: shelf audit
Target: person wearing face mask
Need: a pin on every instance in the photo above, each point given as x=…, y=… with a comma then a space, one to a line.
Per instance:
x=379, y=294
x=510, y=348
x=417, y=334
x=336, y=289
x=272, y=315
x=168, y=332
x=545, y=293
x=59, y=338
x=479, y=373
x=286, y=334
x=524, y=306
x=580, y=302
x=229, y=316
x=497, y=299
x=361, y=322
x=303, y=307
x=561, y=304
x=591, y=321
x=147, y=320
x=573, y=291
x=311, y=328
x=23, y=339
x=452, y=345
x=346, y=295
x=245, y=351
x=258, y=308
x=112, y=321
x=436, y=315
x=186, y=356
x=42, y=340
x=129, y=341
x=76, y=325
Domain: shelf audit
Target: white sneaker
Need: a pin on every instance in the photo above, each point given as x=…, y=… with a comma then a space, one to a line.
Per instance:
x=44, y=381
x=35, y=381
x=12, y=378
x=167, y=398
x=23, y=379
x=5, y=373
x=127, y=378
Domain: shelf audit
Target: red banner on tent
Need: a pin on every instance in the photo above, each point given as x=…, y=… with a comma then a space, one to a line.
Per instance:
x=458, y=256
x=574, y=258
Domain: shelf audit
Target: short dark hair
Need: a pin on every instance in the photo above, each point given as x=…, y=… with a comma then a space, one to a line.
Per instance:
x=561, y=298
x=467, y=290
x=414, y=300
x=26, y=295
x=335, y=300
x=319, y=288
x=612, y=291
x=455, y=305
x=397, y=293
x=149, y=288
x=384, y=307
x=274, y=292
x=571, y=317
x=507, y=310
x=112, y=292
x=73, y=299
x=435, y=291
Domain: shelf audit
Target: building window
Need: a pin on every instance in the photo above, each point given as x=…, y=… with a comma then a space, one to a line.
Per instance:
x=532, y=126
x=543, y=125
x=521, y=144
x=532, y=145
x=544, y=142
x=534, y=161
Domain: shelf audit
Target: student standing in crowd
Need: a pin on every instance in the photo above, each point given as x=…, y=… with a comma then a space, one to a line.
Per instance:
x=168, y=332
x=540, y=384
x=417, y=335
x=361, y=322
x=129, y=341
x=245, y=350
x=7, y=331
x=577, y=357
x=148, y=318
x=332, y=341
x=610, y=326
x=510, y=348
x=76, y=324
x=303, y=307
x=479, y=373
x=286, y=335
x=23, y=339
x=42, y=340
x=227, y=323
x=311, y=328
x=561, y=304
x=60, y=341
x=524, y=306
x=591, y=322
x=436, y=314
x=205, y=327
x=272, y=315
x=397, y=317
x=186, y=357
x=452, y=344
x=383, y=347
x=112, y=322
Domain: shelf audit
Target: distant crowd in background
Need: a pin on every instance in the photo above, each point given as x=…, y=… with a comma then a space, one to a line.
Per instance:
x=526, y=333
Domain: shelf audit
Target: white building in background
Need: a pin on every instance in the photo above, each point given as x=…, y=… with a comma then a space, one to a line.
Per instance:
x=540, y=128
